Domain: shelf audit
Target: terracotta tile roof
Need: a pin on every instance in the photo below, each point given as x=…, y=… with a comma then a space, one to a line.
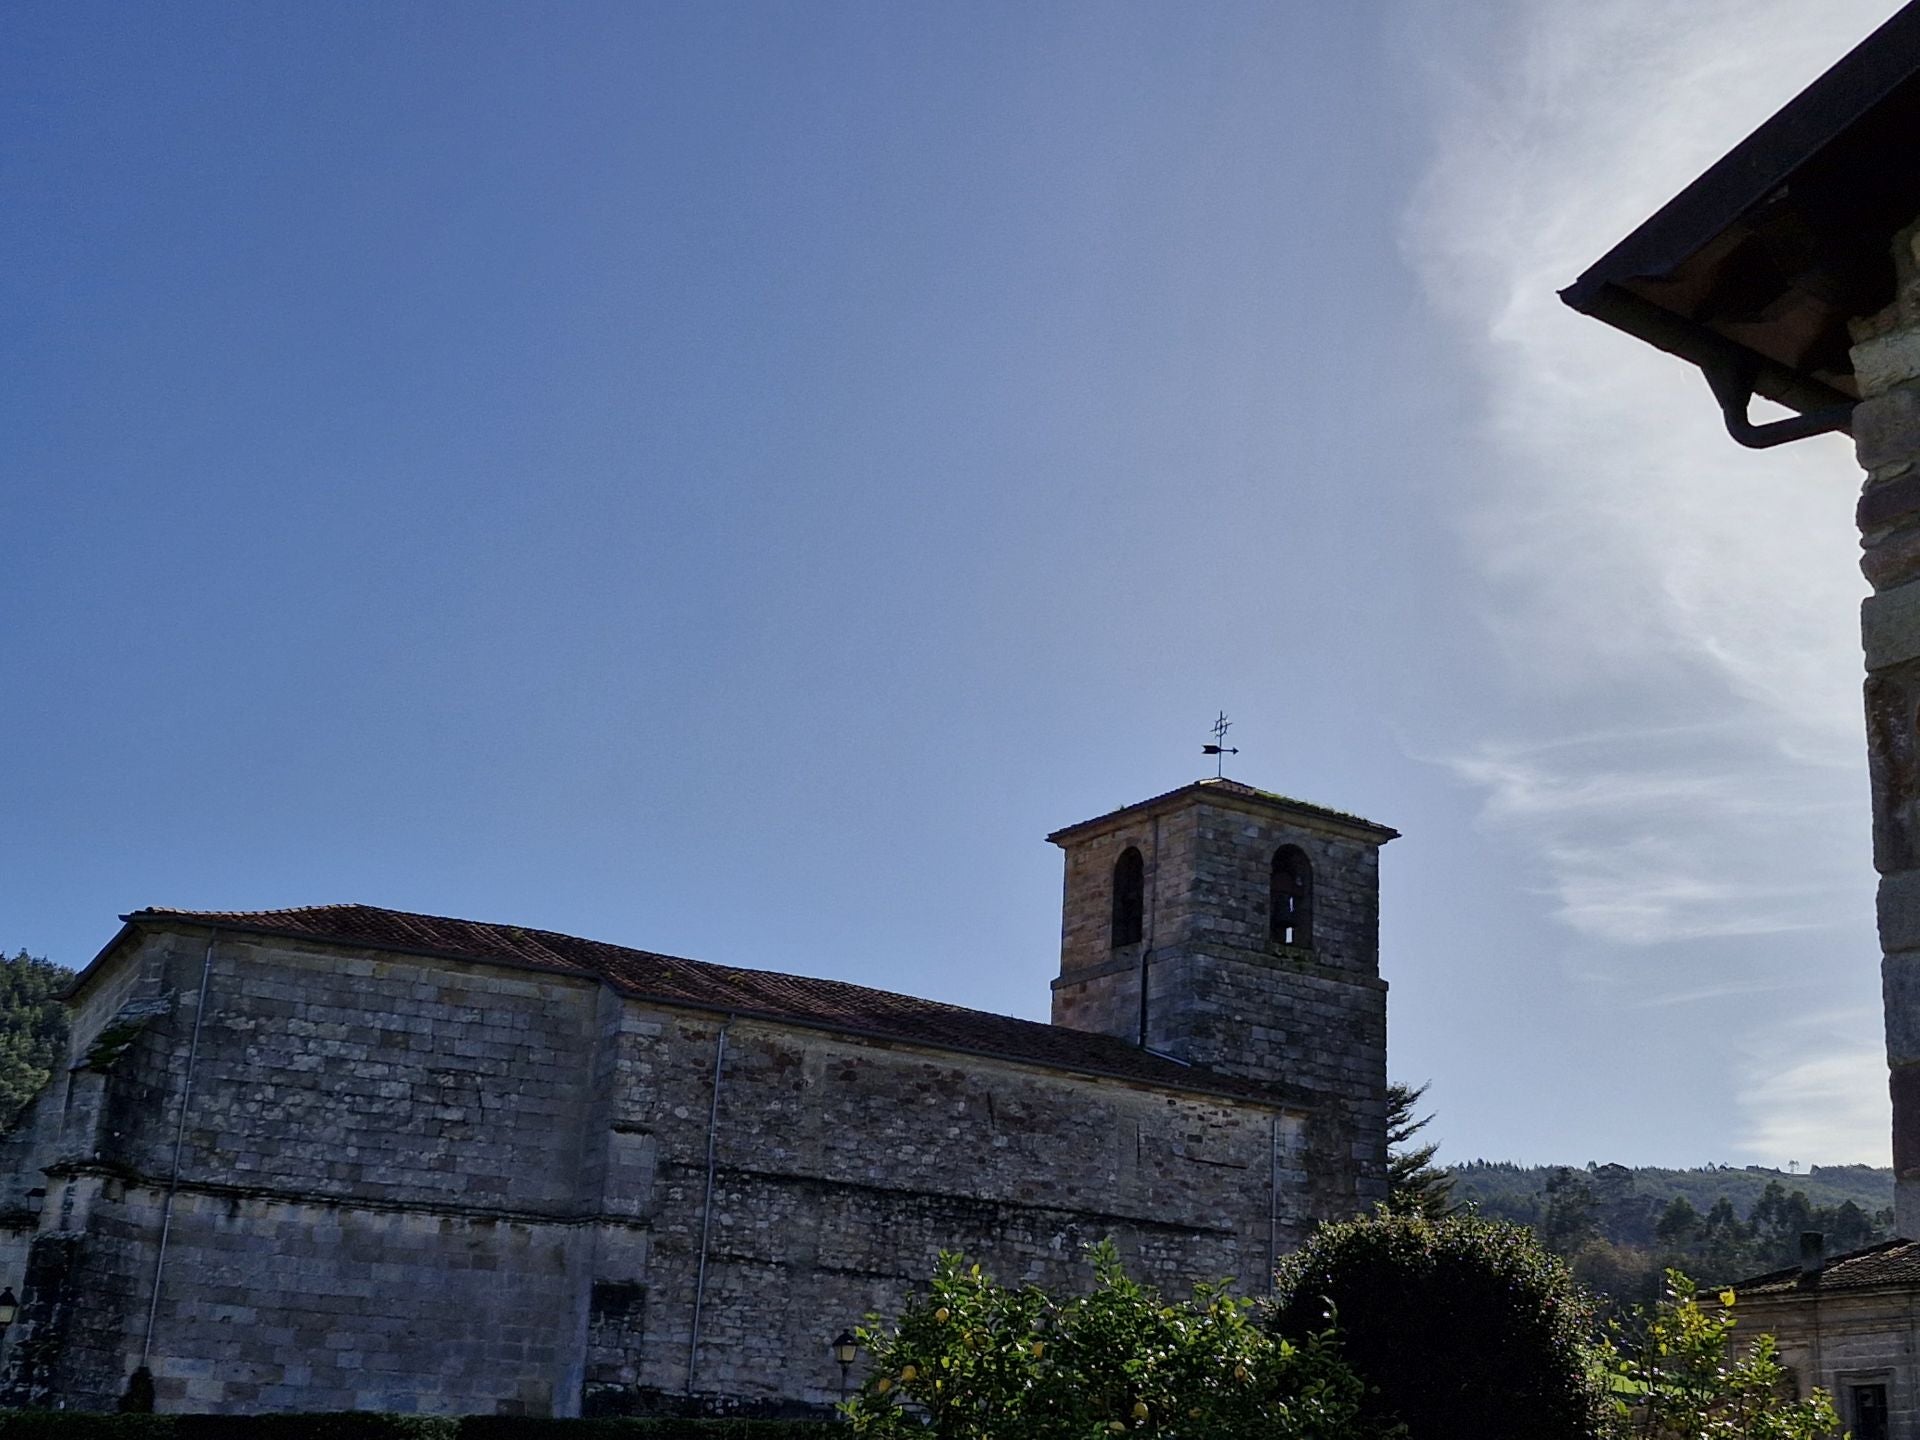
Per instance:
x=727, y=989
x=1237, y=790
x=1895, y=1262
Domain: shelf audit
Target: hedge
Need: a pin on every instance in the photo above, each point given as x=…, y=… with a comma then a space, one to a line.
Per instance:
x=366, y=1425
x=1465, y=1326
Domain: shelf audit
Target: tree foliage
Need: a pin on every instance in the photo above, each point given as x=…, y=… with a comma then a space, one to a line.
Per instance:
x=971, y=1359
x=33, y=1029
x=1461, y=1326
x=1415, y=1185
x=1679, y=1376
x=1621, y=1229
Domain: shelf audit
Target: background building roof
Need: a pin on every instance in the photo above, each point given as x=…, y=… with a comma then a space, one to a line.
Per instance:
x=1896, y=1262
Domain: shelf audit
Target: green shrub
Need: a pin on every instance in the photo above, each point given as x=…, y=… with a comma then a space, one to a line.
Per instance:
x=1675, y=1371
x=504, y=1427
x=1465, y=1327
x=971, y=1359
x=365, y=1425
x=340, y=1425
x=71, y=1425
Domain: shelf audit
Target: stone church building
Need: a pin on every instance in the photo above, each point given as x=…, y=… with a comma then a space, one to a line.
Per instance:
x=345, y=1157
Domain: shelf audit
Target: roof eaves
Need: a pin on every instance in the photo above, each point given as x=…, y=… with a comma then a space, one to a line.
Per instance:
x=1273, y=1097
x=1856, y=105
x=1231, y=792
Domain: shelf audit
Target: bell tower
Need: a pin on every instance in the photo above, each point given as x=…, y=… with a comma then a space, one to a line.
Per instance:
x=1239, y=930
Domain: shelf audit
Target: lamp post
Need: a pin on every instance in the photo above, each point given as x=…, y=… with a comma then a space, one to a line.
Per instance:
x=845, y=1349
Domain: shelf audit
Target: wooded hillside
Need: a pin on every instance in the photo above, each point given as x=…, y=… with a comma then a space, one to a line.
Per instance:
x=1621, y=1226
x=33, y=1029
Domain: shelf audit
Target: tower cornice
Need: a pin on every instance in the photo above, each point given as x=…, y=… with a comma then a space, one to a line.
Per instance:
x=1232, y=795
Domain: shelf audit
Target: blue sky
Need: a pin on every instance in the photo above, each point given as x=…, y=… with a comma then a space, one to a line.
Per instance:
x=730, y=479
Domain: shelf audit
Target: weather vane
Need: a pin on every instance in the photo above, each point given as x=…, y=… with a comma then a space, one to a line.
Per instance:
x=1220, y=749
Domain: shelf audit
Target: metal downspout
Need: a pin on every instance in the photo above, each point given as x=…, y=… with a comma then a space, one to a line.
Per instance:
x=706, y=1207
x=1153, y=910
x=179, y=1142
x=1732, y=385
x=1273, y=1206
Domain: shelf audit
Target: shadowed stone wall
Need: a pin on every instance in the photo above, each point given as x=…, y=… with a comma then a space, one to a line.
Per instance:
x=1886, y=427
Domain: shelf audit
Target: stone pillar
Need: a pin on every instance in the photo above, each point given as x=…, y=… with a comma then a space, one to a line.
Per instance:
x=1886, y=428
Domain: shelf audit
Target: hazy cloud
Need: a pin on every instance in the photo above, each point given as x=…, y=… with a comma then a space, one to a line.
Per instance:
x=1817, y=1092
x=1638, y=565
x=1680, y=614
x=1650, y=836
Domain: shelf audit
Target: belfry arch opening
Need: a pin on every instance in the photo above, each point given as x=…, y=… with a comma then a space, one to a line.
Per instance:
x=1129, y=897
x=1290, y=898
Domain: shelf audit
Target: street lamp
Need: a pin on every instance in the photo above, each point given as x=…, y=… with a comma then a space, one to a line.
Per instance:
x=9, y=1307
x=845, y=1350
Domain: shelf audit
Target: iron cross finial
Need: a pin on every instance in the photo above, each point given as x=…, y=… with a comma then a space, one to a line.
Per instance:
x=1220, y=749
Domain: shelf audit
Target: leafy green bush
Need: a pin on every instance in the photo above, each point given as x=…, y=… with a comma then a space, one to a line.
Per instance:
x=70, y=1425
x=1676, y=1373
x=1463, y=1326
x=504, y=1427
x=366, y=1425
x=341, y=1425
x=971, y=1359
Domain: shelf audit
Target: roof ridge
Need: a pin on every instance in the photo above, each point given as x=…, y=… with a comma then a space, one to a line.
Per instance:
x=1227, y=785
x=1833, y=1271
x=279, y=910
x=814, y=1001
x=535, y=930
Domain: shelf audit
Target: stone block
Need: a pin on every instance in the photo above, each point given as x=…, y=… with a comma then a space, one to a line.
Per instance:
x=1898, y=906
x=1886, y=428
x=1887, y=360
x=1891, y=557
x=1890, y=626
x=1900, y=991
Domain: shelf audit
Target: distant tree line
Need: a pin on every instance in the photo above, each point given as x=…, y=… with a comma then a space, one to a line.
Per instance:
x=1620, y=1229
x=33, y=1029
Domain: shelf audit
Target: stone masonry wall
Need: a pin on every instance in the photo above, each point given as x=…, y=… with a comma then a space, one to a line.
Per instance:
x=370, y=1084
x=1313, y=1019
x=1886, y=428
x=277, y=1304
x=1839, y=1341
x=843, y=1167
x=379, y=1077
x=1098, y=988
x=424, y=1185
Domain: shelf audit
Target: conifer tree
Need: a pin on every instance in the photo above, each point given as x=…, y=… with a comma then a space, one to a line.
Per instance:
x=1415, y=1185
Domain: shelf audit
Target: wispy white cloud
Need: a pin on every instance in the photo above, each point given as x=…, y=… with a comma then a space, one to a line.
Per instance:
x=1816, y=1090
x=1680, y=615
x=1728, y=991
x=1675, y=833
x=1638, y=564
